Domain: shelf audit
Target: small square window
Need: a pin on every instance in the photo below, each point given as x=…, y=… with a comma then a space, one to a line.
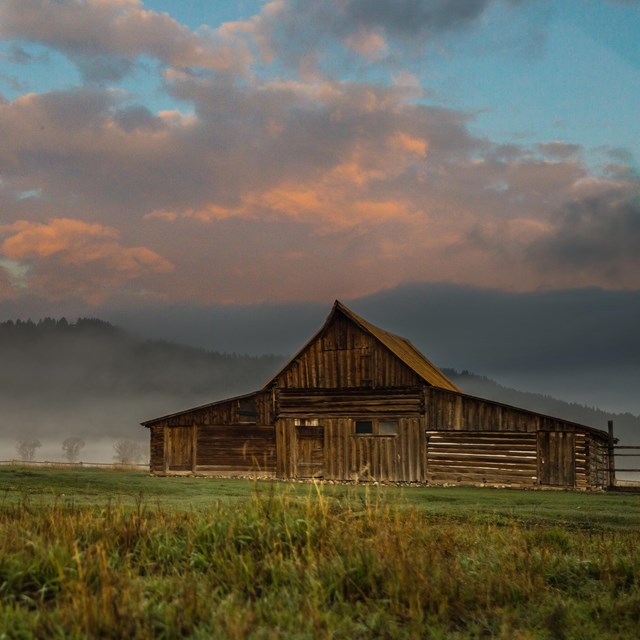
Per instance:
x=364, y=426
x=387, y=428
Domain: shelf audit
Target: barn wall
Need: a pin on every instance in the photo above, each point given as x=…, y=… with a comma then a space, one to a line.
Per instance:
x=256, y=408
x=597, y=461
x=156, y=456
x=345, y=356
x=333, y=450
x=236, y=447
x=567, y=454
x=232, y=435
x=482, y=457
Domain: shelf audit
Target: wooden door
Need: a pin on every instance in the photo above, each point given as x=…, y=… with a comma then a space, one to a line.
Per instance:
x=180, y=448
x=309, y=451
x=557, y=458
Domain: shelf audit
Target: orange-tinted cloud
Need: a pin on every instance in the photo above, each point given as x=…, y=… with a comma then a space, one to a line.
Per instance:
x=67, y=257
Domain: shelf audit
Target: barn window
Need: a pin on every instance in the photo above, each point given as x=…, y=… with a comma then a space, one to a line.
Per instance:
x=388, y=428
x=306, y=422
x=364, y=427
x=376, y=427
x=247, y=410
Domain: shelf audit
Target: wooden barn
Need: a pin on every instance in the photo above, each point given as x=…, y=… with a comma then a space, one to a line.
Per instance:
x=359, y=403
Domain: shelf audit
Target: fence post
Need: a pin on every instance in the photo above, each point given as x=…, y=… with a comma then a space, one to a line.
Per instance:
x=612, y=460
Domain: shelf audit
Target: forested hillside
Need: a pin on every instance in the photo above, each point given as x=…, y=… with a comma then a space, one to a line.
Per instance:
x=94, y=380
x=91, y=379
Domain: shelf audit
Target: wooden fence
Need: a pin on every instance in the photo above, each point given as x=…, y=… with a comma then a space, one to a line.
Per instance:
x=613, y=454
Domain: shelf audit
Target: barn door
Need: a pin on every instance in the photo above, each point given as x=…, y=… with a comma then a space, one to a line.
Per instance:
x=557, y=458
x=309, y=451
x=180, y=454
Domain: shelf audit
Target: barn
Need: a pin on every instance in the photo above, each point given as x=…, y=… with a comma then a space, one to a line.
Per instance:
x=358, y=403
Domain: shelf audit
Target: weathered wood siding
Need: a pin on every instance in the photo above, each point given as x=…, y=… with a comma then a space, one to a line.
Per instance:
x=238, y=447
x=557, y=458
x=442, y=437
x=344, y=455
x=597, y=461
x=232, y=435
x=156, y=457
x=255, y=408
x=303, y=403
x=482, y=457
x=346, y=357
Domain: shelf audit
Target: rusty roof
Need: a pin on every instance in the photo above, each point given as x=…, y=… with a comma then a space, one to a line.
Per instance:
x=403, y=349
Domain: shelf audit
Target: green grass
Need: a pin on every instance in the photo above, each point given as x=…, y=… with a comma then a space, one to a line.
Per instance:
x=115, y=554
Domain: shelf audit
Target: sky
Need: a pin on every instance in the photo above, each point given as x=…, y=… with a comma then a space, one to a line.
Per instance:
x=166, y=155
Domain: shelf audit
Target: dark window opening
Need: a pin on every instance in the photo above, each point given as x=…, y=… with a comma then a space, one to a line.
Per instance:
x=364, y=426
x=247, y=410
x=376, y=427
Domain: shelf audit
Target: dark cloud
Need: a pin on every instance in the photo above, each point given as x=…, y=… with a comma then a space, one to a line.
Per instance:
x=559, y=150
x=101, y=68
x=16, y=54
x=137, y=117
x=600, y=232
x=413, y=17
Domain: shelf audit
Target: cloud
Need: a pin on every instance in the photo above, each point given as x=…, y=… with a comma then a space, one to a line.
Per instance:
x=307, y=35
x=71, y=258
x=595, y=234
x=105, y=37
x=297, y=175
x=16, y=54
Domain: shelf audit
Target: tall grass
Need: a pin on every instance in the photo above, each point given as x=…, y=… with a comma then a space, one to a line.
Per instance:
x=279, y=565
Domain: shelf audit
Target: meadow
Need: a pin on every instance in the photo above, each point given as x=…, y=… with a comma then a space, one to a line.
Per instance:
x=118, y=554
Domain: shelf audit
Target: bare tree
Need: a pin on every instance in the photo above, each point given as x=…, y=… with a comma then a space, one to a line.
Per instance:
x=129, y=451
x=71, y=447
x=26, y=447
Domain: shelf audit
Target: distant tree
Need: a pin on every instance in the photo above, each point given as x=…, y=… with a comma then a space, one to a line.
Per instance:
x=26, y=448
x=129, y=451
x=71, y=448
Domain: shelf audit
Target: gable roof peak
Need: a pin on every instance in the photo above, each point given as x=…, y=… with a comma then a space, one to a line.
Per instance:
x=399, y=346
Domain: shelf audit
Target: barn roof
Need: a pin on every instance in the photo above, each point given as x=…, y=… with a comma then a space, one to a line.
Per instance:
x=400, y=347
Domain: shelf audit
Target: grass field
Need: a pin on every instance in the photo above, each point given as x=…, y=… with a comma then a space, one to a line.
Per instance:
x=113, y=554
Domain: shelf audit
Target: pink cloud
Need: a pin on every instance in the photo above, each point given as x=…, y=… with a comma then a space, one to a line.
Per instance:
x=67, y=257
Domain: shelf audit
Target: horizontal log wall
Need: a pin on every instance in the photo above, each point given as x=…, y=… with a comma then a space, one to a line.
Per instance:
x=481, y=457
x=346, y=357
x=352, y=403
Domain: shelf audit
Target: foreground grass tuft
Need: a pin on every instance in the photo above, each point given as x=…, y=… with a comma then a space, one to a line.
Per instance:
x=291, y=564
